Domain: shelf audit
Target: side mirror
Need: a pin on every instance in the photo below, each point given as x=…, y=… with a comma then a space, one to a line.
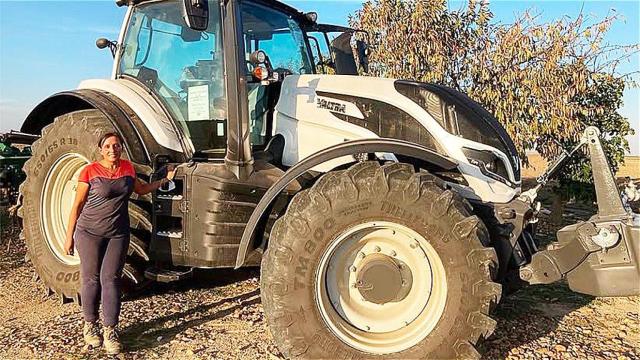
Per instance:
x=196, y=14
x=103, y=43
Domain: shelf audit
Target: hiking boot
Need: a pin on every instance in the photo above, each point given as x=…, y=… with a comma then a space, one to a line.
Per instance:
x=111, y=341
x=91, y=334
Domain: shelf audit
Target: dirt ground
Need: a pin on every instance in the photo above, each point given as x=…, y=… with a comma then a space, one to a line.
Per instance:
x=218, y=315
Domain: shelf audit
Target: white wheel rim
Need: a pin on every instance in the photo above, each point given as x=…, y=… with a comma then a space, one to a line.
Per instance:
x=56, y=202
x=393, y=326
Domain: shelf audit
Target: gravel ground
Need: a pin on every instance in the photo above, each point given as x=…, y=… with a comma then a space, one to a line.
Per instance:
x=218, y=315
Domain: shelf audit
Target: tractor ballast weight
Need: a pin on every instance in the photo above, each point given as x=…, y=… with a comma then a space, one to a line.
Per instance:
x=386, y=215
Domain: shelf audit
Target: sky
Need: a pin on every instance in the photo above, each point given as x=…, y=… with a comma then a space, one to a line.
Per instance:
x=49, y=46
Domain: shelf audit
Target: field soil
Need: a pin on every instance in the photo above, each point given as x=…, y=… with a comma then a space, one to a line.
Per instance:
x=218, y=314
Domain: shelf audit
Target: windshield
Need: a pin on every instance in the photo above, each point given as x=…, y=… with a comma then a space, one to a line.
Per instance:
x=183, y=67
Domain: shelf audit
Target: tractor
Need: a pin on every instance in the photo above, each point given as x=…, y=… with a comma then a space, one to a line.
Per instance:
x=12, y=159
x=386, y=215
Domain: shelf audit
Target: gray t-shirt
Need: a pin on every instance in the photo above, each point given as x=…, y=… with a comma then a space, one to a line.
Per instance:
x=106, y=212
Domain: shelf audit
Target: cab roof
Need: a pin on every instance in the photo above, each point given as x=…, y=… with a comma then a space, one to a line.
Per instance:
x=270, y=3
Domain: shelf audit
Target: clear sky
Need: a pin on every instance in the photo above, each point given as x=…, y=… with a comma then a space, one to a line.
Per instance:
x=49, y=46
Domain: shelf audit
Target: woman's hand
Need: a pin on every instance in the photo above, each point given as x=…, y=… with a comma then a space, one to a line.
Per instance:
x=171, y=172
x=141, y=188
x=68, y=246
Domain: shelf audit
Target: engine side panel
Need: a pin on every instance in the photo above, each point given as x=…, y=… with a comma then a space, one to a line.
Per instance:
x=318, y=111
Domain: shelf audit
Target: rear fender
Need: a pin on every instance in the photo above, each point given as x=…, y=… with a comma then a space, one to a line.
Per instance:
x=141, y=145
x=348, y=148
x=147, y=107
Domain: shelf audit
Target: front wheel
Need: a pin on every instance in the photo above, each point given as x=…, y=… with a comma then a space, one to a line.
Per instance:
x=379, y=261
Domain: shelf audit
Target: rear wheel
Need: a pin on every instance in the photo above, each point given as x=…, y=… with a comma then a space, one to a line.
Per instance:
x=66, y=146
x=379, y=261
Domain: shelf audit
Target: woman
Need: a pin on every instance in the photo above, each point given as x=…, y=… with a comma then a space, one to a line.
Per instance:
x=99, y=228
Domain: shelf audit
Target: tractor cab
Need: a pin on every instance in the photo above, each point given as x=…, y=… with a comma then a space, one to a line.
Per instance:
x=185, y=68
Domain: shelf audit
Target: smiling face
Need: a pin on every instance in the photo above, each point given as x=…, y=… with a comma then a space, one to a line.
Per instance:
x=111, y=149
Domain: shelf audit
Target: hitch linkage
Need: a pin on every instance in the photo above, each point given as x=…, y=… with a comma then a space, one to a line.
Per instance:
x=601, y=256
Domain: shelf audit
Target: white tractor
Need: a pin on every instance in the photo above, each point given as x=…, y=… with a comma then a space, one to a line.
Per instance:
x=386, y=215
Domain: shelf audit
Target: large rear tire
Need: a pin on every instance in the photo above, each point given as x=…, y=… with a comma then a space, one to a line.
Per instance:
x=66, y=146
x=379, y=262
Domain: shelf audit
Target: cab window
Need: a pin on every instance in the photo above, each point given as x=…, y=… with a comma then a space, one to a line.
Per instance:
x=282, y=39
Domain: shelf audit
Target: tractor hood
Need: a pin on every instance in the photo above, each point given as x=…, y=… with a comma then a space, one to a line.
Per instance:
x=461, y=116
x=338, y=108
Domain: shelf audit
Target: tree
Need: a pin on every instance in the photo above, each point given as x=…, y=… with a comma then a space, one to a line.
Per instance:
x=605, y=92
x=544, y=82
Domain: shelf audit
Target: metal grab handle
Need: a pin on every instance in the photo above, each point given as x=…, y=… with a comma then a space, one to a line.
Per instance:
x=170, y=186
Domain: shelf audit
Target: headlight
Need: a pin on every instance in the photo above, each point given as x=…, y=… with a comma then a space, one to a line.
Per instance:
x=488, y=162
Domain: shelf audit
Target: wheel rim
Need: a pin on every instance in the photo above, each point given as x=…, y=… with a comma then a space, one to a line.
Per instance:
x=381, y=287
x=56, y=203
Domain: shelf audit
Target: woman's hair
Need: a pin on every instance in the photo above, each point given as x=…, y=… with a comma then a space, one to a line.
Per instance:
x=108, y=135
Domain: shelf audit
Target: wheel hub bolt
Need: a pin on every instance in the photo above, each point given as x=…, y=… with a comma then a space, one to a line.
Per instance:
x=393, y=253
x=353, y=268
x=361, y=255
x=377, y=249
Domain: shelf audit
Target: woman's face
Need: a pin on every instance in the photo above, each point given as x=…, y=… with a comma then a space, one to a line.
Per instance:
x=111, y=149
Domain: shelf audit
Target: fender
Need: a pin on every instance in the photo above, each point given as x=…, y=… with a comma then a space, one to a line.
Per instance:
x=140, y=143
x=378, y=145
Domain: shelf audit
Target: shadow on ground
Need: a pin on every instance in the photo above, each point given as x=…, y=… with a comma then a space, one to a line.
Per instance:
x=202, y=279
x=153, y=333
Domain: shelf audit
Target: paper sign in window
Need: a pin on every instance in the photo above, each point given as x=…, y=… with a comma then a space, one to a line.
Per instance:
x=198, y=102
